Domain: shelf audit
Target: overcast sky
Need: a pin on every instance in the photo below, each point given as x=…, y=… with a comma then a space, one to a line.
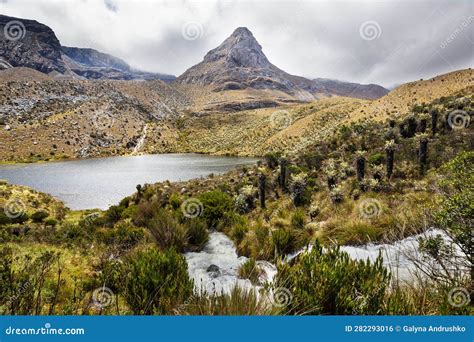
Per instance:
x=384, y=42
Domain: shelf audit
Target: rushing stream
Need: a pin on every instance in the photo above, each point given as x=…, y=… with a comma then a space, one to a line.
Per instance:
x=215, y=269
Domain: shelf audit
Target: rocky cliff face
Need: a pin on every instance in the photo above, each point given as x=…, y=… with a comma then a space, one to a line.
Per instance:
x=239, y=63
x=27, y=43
x=92, y=64
x=94, y=58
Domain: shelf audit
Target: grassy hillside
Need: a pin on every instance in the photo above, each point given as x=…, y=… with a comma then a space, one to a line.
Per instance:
x=366, y=181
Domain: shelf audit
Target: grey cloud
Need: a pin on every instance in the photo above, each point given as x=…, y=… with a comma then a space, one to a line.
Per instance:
x=311, y=39
x=111, y=5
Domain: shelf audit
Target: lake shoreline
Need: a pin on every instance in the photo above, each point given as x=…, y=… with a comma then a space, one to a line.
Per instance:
x=54, y=160
x=102, y=182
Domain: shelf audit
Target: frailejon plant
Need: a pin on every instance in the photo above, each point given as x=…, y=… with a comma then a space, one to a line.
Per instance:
x=360, y=165
x=328, y=281
x=283, y=172
x=390, y=152
x=261, y=189
x=434, y=121
x=423, y=123
x=423, y=152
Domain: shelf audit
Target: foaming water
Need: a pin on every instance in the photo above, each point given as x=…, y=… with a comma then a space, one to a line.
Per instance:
x=399, y=257
x=215, y=269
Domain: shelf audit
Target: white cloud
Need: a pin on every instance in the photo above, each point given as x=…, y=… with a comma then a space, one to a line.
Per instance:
x=312, y=39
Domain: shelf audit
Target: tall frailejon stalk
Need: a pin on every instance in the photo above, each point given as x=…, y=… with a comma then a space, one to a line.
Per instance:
x=423, y=123
x=261, y=189
x=139, y=193
x=360, y=165
x=434, y=121
x=423, y=153
x=390, y=152
x=283, y=172
x=331, y=178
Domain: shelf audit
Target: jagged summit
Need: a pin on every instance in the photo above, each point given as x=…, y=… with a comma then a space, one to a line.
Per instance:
x=240, y=49
x=239, y=63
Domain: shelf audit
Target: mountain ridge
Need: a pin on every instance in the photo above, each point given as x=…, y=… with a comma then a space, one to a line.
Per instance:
x=34, y=45
x=239, y=63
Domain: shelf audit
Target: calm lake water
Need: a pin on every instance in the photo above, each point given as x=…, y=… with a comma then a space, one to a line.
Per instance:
x=99, y=183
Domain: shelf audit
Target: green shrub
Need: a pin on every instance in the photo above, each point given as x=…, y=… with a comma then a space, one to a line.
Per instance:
x=298, y=219
x=155, y=282
x=329, y=282
x=197, y=234
x=123, y=235
x=114, y=214
x=39, y=216
x=377, y=159
x=175, y=201
x=4, y=219
x=21, y=218
x=215, y=205
x=51, y=222
x=239, y=231
x=272, y=159
x=167, y=231
x=283, y=241
x=145, y=211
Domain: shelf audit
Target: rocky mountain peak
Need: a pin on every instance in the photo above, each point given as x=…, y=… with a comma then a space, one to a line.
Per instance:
x=240, y=49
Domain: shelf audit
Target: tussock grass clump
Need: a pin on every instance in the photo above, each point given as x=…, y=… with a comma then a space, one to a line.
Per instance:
x=250, y=270
x=239, y=302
